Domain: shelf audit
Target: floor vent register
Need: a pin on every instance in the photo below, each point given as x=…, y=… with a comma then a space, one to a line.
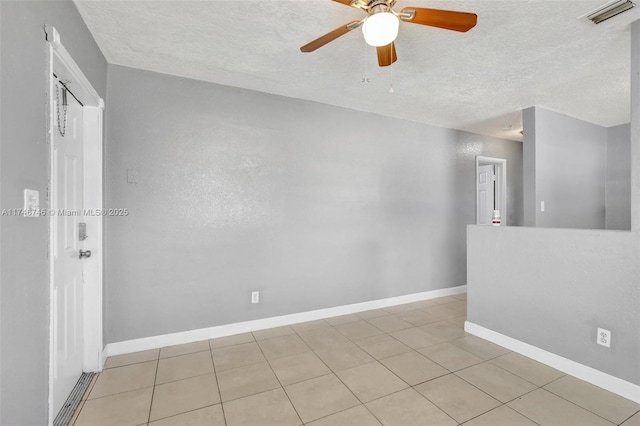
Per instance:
x=71, y=404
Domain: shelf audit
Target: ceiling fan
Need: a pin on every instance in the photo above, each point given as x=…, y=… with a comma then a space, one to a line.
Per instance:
x=380, y=26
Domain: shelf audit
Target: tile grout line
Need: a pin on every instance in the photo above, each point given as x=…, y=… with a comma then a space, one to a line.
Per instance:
x=495, y=408
x=188, y=353
x=215, y=374
x=347, y=409
x=276, y=376
x=153, y=390
x=551, y=392
x=338, y=377
x=511, y=372
x=117, y=393
x=434, y=404
x=442, y=409
x=183, y=412
x=501, y=403
x=627, y=419
x=519, y=397
x=448, y=369
x=580, y=406
x=482, y=414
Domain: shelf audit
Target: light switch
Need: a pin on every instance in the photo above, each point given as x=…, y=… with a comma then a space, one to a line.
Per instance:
x=541, y=206
x=31, y=203
x=132, y=175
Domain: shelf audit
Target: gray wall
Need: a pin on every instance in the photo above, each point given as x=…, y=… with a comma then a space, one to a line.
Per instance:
x=529, y=166
x=618, y=182
x=313, y=205
x=552, y=288
x=1, y=219
x=570, y=170
x=635, y=126
x=24, y=306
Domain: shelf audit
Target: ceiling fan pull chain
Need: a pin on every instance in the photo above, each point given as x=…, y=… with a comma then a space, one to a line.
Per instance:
x=391, y=85
x=365, y=79
x=62, y=129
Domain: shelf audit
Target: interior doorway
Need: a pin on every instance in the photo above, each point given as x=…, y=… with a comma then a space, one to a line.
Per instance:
x=66, y=205
x=491, y=189
x=75, y=214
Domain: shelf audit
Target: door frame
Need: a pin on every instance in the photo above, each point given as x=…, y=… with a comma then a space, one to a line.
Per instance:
x=60, y=61
x=500, y=167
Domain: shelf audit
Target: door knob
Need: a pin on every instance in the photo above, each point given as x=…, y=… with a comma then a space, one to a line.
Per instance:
x=86, y=253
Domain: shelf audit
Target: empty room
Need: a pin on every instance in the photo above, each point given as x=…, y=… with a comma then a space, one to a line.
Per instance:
x=319, y=212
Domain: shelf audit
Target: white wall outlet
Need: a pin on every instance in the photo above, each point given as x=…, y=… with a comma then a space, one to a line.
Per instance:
x=255, y=297
x=541, y=206
x=604, y=337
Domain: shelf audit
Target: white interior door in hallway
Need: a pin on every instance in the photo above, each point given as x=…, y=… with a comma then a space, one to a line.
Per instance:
x=485, y=194
x=75, y=188
x=67, y=268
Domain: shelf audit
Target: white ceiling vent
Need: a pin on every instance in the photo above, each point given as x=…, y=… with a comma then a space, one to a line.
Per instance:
x=608, y=10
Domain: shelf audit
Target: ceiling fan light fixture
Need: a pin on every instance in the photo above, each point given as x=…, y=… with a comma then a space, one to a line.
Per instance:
x=380, y=29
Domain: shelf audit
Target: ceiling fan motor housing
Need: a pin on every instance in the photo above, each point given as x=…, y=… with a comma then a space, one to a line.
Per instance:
x=378, y=6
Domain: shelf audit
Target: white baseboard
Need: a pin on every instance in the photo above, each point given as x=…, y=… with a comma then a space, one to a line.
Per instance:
x=154, y=342
x=606, y=381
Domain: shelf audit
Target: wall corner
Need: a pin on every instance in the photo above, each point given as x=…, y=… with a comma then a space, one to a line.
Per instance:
x=635, y=126
x=529, y=165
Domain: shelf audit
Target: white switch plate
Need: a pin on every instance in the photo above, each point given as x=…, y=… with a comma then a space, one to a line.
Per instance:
x=133, y=175
x=255, y=297
x=541, y=206
x=31, y=203
x=604, y=337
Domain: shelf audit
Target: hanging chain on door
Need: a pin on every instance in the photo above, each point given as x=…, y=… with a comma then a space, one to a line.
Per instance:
x=62, y=129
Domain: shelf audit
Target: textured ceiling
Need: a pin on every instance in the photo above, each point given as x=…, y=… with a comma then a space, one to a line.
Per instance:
x=521, y=53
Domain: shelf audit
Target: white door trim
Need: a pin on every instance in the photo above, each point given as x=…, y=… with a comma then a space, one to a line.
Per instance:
x=501, y=184
x=60, y=61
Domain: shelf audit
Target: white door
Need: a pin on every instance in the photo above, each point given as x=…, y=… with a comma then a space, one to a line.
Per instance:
x=485, y=194
x=66, y=203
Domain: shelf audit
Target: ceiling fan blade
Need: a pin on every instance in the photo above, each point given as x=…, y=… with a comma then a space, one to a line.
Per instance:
x=387, y=54
x=345, y=2
x=319, y=42
x=447, y=19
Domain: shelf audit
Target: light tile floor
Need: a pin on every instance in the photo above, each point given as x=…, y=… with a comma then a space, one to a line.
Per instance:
x=404, y=365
